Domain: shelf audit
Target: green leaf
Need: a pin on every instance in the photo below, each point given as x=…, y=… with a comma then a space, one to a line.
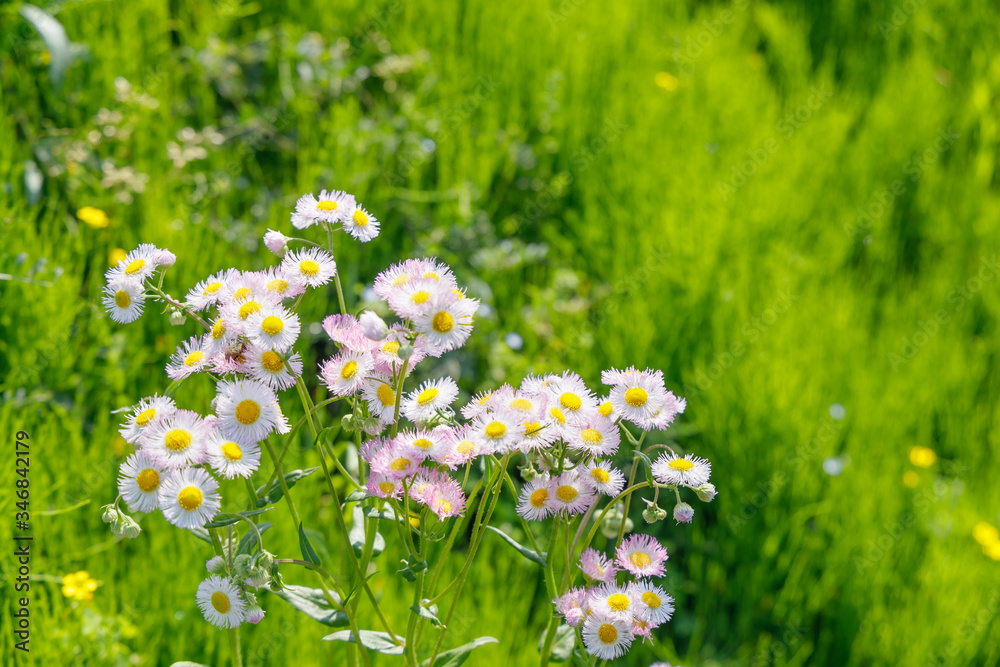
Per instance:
x=580, y=659
x=172, y=388
x=54, y=35
x=313, y=603
x=562, y=646
x=274, y=491
x=371, y=640
x=229, y=519
x=458, y=656
x=430, y=613
x=308, y=552
x=357, y=534
x=386, y=514
x=355, y=496
x=524, y=551
x=409, y=572
x=648, y=468
x=249, y=540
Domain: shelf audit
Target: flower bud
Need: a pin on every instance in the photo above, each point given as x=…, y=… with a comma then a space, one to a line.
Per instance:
x=706, y=492
x=404, y=351
x=259, y=576
x=177, y=317
x=574, y=617
x=654, y=513
x=241, y=566
x=276, y=242
x=128, y=528
x=613, y=521
x=683, y=513
x=373, y=326
x=110, y=514
x=528, y=473
x=347, y=422
x=216, y=565
x=164, y=259
x=254, y=613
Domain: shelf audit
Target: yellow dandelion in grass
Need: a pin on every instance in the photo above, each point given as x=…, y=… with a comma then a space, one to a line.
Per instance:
x=116, y=255
x=79, y=586
x=922, y=457
x=94, y=217
x=667, y=81
x=911, y=479
x=992, y=550
x=985, y=534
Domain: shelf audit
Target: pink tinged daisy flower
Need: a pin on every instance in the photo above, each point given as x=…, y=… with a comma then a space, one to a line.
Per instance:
x=652, y=603
x=393, y=278
x=244, y=287
x=429, y=267
x=612, y=600
x=665, y=416
x=188, y=359
x=139, y=481
x=590, y=432
x=445, y=500
x=419, y=443
x=386, y=353
x=571, y=494
x=604, y=478
x=207, y=292
x=498, y=431
x=358, y=222
x=281, y=285
x=535, y=385
x=635, y=396
x=395, y=463
x=248, y=411
x=345, y=373
x=536, y=499
x=176, y=441
x=446, y=323
x=480, y=404
x=691, y=471
x=146, y=413
x=222, y=334
x=571, y=395
x=538, y=435
x=642, y=628
x=572, y=605
x=124, y=298
x=642, y=555
x=313, y=266
x=461, y=448
x=310, y=209
x=596, y=566
x=337, y=325
x=607, y=637
x=189, y=498
x=273, y=327
x=415, y=297
x=424, y=402
x=278, y=371
x=384, y=486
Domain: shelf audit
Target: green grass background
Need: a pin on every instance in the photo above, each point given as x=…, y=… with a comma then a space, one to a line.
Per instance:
x=582, y=202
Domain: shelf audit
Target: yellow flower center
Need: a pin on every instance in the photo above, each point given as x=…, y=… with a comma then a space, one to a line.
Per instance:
x=190, y=498
x=443, y=322
x=681, y=464
x=247, y=412
x=278, y=286
x=442, y=505
x=651, y=599
x=431, y=274
x=570, y=401
x=248, y=308
x=427, y=395
x=600, y=475
x=148, y=480
x=531, y=429
x=242, y=294
x=400, y=464
x=194, y=358
x=360, y=219
x=349, y=369
x=135, y=267
x=591, y=435
x=636, y=397
x=309, y=267
x=607, y=633
x=211, y=288
x=220, y=602
x=521, y=404
x=618, y=601
x=466, y=447
x=386, y=395
x=640, y=559
x=271, y=362
x=218, y=329
x=558, y=415
x=538, y=497
x=605, y=409
x=272, y=325
x=232, y=451
x=326, y=205
x=386, y=487
x=495, y=430
x=420, y=296
x=390, y=347
x=177, y=440
x=423, y=443
x=145, y=416
x=401, y=280
x=122, y=299
x=566, y=493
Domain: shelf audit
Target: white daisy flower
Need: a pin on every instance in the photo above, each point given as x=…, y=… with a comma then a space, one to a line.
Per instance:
x=176, y=441
x=282, y=286
x=423, y=403
x=124, y=299
x=536, y=499
x=635, y=395
x=422, y=443
x=189, y=498
x=358, y=222
x=652, y=603
x=147, y=412
x=416, y=296
x=537, y=436
x=219, y=600
x=314, y=267
x=207, y=292
x=221, y=335
x=231, y=459
x=446, y=323
x=611, y=600
x=273, y=327
x=689, y=471
x=277, y=370
x=607, y=637
x=378, y=392
x=590, y=432
x=139, y=481
x=604, y=478
x=189, y=358
x=345, y=373
x=571, y=494
x=498, y=431
x=328, y=207
x=248, y=411
x=571, y=395
x=139, y=264
x=606, y=409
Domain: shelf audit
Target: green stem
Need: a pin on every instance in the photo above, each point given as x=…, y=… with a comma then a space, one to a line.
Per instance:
x=234, y=633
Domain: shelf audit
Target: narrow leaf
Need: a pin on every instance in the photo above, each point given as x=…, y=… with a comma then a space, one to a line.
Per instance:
x=562, y=646
x=357, y=534
x=524, y=551
x=371, y=640
x=308, y=552
x=458, y=656
x=313, y=603
x=430, y=613
x=201, y=534
x=229, y=519
x=249, y=541
x=274, y=491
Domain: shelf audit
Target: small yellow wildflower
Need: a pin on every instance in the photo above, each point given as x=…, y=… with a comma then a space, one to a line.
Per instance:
x=911, y=479
x=985, y=534
x=922, y=457
x=79, y=586
x=993, y=551
x=116, y=255
x=94, y=217
x=667, y=81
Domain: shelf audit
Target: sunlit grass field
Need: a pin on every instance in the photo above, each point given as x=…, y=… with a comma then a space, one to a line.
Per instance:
x=790, y=208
